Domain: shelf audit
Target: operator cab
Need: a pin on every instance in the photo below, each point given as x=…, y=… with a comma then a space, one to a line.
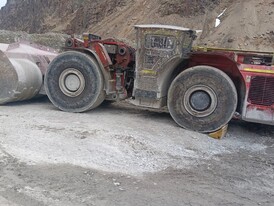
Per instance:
x=160, y=48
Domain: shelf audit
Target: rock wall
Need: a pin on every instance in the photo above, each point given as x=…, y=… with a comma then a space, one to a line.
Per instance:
x=39, y=16
x=246, y=24
x=187, y=8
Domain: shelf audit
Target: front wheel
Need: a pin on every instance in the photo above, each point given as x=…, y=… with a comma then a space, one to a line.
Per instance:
x=74, y=83
x=202, y=99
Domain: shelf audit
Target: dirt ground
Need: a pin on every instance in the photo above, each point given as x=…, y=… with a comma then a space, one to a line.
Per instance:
x=121, y=155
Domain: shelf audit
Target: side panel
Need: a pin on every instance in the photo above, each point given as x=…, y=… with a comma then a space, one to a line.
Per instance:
x=259, y=99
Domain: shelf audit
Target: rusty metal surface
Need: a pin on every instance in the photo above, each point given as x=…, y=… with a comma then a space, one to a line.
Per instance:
x=22, y=66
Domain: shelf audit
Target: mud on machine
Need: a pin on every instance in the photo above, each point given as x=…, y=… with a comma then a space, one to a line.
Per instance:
x=203, y=88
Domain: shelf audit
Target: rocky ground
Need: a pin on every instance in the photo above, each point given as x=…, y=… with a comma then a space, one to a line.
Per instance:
x=122, y=155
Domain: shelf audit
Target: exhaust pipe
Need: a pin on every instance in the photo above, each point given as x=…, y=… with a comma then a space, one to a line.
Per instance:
x=22, y=67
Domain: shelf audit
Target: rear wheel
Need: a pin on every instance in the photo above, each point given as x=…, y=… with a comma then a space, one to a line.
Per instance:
x=202, y=99
x=74, y=83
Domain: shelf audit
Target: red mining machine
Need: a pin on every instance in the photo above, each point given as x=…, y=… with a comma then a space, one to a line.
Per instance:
x=203, y=88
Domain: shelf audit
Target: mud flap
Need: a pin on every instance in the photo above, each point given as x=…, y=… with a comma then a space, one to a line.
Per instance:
x=220, y=133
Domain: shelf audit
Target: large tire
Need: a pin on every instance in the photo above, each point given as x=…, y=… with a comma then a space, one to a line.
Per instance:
x=202, y=99
x=74, y=83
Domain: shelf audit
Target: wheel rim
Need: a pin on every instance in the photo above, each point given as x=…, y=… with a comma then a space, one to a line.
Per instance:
x=72, y=82
x=200, y=101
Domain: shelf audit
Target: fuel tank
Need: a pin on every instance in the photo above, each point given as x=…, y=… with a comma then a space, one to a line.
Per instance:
x=22, y=66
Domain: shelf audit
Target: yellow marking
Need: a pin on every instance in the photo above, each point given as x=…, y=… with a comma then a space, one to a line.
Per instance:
x=259, y=70
x=220, y=133
x=147, y=71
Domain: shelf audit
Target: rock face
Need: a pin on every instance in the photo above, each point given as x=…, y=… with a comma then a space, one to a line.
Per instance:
x=62, y=15
x=246, y=24
x=78, y=15
x=187, y=8
x=114, y=18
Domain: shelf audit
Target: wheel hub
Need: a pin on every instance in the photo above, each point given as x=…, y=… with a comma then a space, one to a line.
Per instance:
x=200, y=101
x=72, y=82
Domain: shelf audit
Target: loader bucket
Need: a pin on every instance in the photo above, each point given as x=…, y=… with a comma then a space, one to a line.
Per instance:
x=21, y=72
x=20, y=79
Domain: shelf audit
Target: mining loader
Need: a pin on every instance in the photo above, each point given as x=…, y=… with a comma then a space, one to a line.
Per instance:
x=203, y=88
